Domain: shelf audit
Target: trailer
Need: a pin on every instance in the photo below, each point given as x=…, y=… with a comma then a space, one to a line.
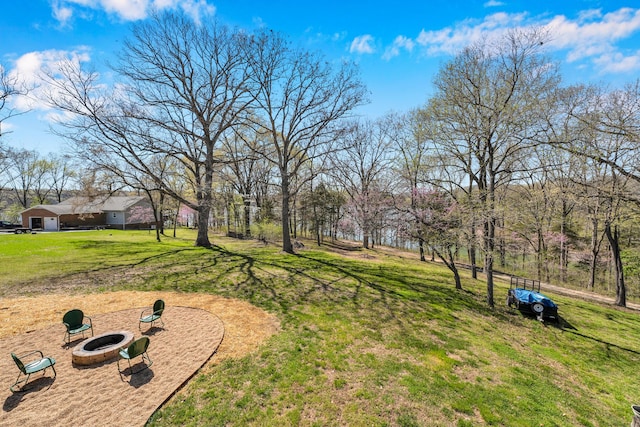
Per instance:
x=9, y=227
x=524, y=295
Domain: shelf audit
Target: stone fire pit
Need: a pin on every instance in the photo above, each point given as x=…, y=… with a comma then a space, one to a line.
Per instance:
x=101, y=347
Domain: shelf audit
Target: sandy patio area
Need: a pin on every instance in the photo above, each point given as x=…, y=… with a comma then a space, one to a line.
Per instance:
x=200, y=330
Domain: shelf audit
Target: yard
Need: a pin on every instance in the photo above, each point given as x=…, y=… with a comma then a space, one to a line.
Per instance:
x=364, y=338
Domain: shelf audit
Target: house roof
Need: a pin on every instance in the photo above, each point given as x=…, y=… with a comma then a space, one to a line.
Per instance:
x=81, y=205
x=120, y=203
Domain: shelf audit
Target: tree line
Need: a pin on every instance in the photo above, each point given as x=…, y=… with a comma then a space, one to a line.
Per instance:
x=502, y=169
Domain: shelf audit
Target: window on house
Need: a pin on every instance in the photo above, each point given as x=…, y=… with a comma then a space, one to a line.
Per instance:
x=114, y=215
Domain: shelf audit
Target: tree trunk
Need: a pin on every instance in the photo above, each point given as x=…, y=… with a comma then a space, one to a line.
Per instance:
x=595, y=248
x=287, y=245
x=157, y=222
x=564, y=249
x=228, y=207
x=175, y=219
x=472, y=240
x=202, y=239
x=449, y=261
x=247, y=217
x=488, y=266
x=472, y=258
x=489, y=227
x=539, y=255
x=456, y=275
x=293, y=216
x=614, y=242
x=317, y=226
x=316, y=220
x=160, y=221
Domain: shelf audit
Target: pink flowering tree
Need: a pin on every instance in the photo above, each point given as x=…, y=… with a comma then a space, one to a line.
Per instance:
x=141, y=215
x=436, y=221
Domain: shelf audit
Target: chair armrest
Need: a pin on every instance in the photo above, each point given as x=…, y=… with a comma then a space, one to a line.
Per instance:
x=148, y=309
x=30, y=353
x=90, y=322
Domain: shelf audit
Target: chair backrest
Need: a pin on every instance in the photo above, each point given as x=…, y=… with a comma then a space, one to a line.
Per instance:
x=73, y=318
x=19, y=363
x=138, y=347
x=158, y=307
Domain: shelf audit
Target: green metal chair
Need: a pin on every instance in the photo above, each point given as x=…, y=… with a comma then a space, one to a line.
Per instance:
x=137, y=348
x=74, y=322
x=34, y=365
x=152, y=315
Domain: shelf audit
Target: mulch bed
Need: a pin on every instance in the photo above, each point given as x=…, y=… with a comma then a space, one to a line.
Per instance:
x=200, y=331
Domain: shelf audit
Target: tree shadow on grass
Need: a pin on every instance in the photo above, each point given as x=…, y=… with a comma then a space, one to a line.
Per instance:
x=400, y=291
x=569, y=328
x=309, y=278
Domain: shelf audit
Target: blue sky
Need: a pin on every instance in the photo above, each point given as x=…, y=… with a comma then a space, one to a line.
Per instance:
x=399, y=45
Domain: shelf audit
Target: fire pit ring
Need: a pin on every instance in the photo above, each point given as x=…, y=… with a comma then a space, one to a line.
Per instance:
x=101, y=347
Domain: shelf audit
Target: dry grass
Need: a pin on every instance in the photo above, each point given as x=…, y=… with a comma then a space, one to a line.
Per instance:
x=246, y=326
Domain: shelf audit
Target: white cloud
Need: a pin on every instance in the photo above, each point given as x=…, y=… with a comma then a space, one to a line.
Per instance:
x=400, y=42
x=451, y=40
x=258, y=22
x=62, y=14
x=493, y=3
x=362, y=44
x=129, y=10
x=337, y=36
x=313, y=36
x=592, y=33
x=29, y=69
x=196, y=9
x=591, y=36
x=618, y=63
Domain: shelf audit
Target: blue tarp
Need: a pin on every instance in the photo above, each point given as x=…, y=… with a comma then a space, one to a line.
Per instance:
x=527, y=296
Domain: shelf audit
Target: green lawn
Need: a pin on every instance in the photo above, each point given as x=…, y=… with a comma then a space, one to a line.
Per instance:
x=367, y=339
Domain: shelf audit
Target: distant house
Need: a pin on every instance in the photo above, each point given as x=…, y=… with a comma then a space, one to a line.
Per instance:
x=123, y=212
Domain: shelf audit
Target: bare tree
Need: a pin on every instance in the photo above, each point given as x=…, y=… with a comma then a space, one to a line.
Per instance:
x=153, y=185
x=571, y=171
x=10, y=86
x=532, y=203
x=243, y=167
x=612, y=121
x=562, y=177
x=488, y=105
x=23, y=172
x=412, y=142
x=360, y=167
x=62, y=173
x=602, y=129
x=614, y=115
x=183, y=87
x=301, y=100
